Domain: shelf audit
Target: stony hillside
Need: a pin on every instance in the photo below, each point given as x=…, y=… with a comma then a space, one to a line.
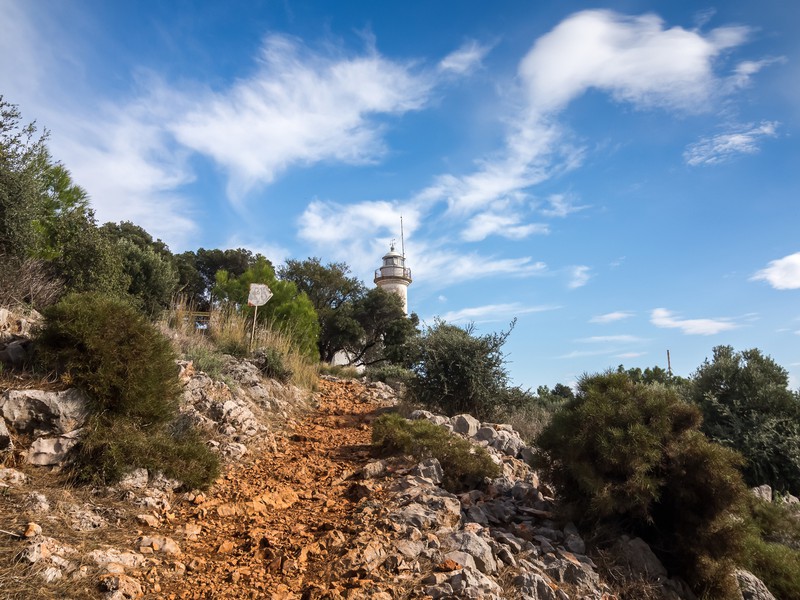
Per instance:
x=302, y=510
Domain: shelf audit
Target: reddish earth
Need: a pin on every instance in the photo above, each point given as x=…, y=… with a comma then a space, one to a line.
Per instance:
x=272, y=527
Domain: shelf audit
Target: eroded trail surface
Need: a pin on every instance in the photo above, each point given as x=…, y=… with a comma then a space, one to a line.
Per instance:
x=271, y=526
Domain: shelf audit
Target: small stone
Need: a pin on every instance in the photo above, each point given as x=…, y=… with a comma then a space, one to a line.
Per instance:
x=149, y=520
x=226, y=547
x=33, y=530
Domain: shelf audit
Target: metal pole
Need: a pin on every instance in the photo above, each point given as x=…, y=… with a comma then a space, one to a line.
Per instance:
x=669, y=364
x=402, y=239
x=253, y=333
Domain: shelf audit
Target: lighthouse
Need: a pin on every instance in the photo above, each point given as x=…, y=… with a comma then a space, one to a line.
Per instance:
x=394, y=276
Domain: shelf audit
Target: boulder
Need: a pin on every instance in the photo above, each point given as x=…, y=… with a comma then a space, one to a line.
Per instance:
x=475, y=546
x=751, y=587
x=465, y=424
x=508, y=442
x=44, y=413
x=430, y=469
x=52, y=451
x=639, y=558
x=532, y=586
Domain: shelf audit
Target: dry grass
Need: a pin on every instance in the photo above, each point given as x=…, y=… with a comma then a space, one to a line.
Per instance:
x=229, y=332
x=20, y=581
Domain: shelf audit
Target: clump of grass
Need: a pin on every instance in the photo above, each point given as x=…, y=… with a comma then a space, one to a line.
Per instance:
x=228, y=331
x=110, y=449
x=340, y=371
x=389, y=373
x=772, y=547
x=464, y=465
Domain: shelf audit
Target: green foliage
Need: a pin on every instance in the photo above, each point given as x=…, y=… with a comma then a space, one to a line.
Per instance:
x=289, y=310
x=23, y=159
x=388, y=373
x=146, y=263
x=747, y=405
x=340, y=371
x=778, y=566
x=459, y=372
x=465, y=465
x=111, y=448
x=632, y=454
x=332, y=292
x=87, y=260
x=109, y=350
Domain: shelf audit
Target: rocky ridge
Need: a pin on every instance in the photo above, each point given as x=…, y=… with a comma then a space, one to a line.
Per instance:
x=301, y=511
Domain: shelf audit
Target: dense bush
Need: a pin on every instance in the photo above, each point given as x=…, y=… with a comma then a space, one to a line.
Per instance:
x=747, y=405
x=459, y=372
x=105, y=347
x=632, y=454
x=464, y=465
x=109, y=350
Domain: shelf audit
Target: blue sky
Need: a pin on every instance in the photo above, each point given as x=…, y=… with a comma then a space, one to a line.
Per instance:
x=622, y=177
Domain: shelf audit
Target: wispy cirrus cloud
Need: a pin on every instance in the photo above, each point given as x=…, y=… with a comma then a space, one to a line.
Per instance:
x=297, y=109
x=611, y=317
x=661, y=317
x=561, y=205
x=465, y=59
x=494, y=312
x=507, y=225
x=579, y=276
x=605, y=339
x=725, y=146
x=630, y=354
x=782, y=273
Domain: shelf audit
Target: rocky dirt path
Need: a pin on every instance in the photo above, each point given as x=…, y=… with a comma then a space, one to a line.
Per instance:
x=270, y=527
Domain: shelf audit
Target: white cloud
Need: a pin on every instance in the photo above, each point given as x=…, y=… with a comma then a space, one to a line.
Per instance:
x=441, y=267
x=635, y=59
x=631, y=354
x=493, y=312
x=579, y=276
x=299, y=108
x=583, y=353
x=744, y=71
x=560, y=205
x=781, y=274
x=611, y=339
x=661, y=317
x=721, y=148
x=485, y=224
x=611, y=317
x=464, y=60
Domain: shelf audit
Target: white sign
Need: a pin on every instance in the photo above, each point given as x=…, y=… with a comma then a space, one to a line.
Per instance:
x=259, y=294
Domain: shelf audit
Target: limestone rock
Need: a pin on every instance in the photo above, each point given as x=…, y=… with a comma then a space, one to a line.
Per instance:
x=640, y=558
x=135, y=480
x=430, y=469
x=44, y=413
x=120, y=587
x=52, y=451
x=12, y=476
x=465, y=424
x=751, y=587
x=475, y=546
x=5, y=437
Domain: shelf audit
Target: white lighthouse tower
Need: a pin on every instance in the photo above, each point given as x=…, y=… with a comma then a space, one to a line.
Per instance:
x=394, y=276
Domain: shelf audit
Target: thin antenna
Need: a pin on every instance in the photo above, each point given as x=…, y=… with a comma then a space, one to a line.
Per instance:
x=669, y=364
x=402, y=239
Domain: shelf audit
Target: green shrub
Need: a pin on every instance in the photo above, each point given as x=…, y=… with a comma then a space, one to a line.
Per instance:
x=111, y=448
x=109, y=350
x=778, y=566
x=747, y=405
x=387, y=373
x=632, y=454
x=127, y=369
x=459, y=372
x=340, y=371
x=464, y=465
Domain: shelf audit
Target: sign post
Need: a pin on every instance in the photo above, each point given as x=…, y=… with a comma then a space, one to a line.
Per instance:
x=259, y=296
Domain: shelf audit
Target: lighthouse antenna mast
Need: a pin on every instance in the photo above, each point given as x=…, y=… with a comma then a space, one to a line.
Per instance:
x=402, y=239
